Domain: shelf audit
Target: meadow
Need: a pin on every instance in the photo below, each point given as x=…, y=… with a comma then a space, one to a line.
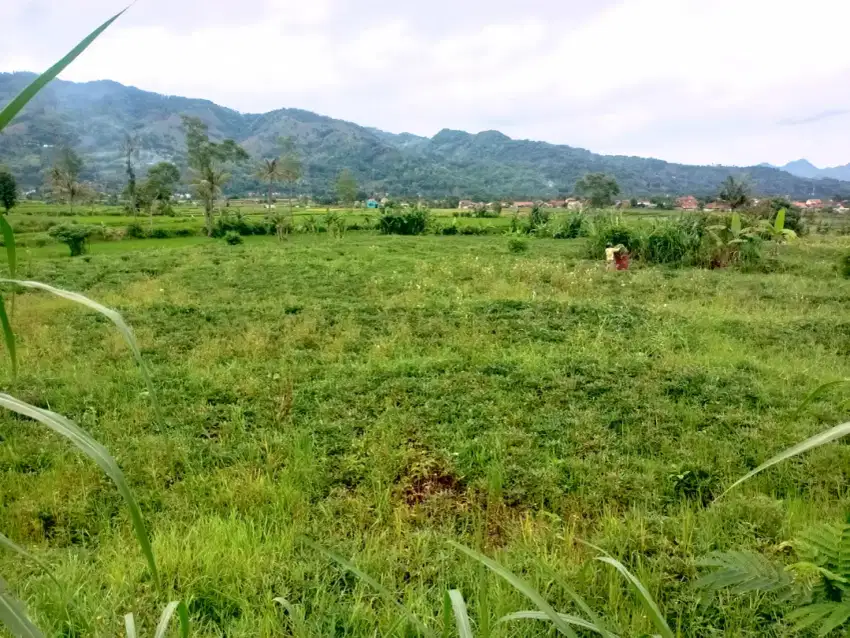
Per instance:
x=382, y=395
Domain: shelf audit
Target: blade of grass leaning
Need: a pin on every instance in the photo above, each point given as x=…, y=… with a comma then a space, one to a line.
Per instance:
x=520, y=585
x=779, y=223
x=130, y=625
x=8, y=337
x=11, y=545
x=464, y=628
x=9, y=243
x=447, y=615
x=14, y=617
x=649, y=604
x=294, y=619
x=374, y=584
x=165, y=619
x=114, y=316
x=592, y=616
x=13, y=107
x=573, y=620
x=809, y=444
x=95, y=451
x=817, y=393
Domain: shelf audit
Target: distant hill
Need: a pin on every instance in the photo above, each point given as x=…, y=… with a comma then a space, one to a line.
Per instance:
x=804, y=168
x=94, y=116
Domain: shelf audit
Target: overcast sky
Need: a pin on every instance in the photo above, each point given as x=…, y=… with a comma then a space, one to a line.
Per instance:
x=697, y=81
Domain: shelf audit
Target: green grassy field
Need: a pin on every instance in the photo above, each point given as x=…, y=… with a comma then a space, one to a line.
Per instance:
x=383, y=395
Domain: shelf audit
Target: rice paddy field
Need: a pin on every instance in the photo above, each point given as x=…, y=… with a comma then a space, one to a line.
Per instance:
x=380, y=396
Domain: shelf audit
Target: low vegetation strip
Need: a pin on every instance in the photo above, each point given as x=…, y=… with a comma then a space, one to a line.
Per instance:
x=383, y=394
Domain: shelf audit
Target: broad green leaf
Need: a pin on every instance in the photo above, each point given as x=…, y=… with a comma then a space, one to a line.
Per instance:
x=14, y=547
x=165, y=619
x=110, y=314
x=464, y=628
x=8, y=336
x=643, y=594
x=13, y=615
x=130, y=625
x=520, y=585
x=779, y=223
x=13, y=107
x=9, y=243
x=573, y=620
x=183, y=617
x=94, y=450
x=383, y=591
x=736, y=224
x=809, y=444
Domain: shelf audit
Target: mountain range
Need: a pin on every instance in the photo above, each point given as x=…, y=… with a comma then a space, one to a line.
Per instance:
x=804, y=168
x=93, y=117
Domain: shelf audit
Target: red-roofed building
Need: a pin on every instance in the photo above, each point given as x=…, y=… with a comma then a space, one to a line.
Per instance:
x=523, y=204
x=687, y=203
x=814, y=203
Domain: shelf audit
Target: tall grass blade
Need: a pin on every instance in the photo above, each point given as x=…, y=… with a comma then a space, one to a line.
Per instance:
x=109, y=313
x=447, y=615
x=8, y=337
x=183, y=618
x=809, y=444
x=94, y=450
x=13, y=107
x=573, y=620
x=13, y=615
x=520, y=585
x=14, y=547
x=464, y=628
x=649, y=604
x=817, y=393
x=735, y=225
x=374, y=584
x=165, y=619
x=130, y=625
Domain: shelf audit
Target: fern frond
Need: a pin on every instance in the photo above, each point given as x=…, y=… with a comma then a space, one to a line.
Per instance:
x=743, y=572
x=809, y=615
x=836, y=619
x=821, y=545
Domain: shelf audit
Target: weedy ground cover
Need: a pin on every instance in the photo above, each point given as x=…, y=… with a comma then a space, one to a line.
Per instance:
x=382, y=395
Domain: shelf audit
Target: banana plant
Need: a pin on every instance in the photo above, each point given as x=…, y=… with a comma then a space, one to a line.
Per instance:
x=728, y=239
x=777, y=231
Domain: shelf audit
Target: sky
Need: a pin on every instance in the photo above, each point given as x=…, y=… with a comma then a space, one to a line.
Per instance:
x=696, y=81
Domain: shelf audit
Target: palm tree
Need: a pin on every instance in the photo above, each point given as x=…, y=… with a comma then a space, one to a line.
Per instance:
x=271, y=171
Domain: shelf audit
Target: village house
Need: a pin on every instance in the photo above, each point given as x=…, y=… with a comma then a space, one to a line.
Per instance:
x=716, y=206
x=556, y=203
x=523, y=204
x=798, y=204
x=814, y=203
x=687, y=203
x=465, y=204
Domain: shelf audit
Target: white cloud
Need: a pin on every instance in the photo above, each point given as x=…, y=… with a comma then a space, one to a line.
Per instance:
x=685, y=80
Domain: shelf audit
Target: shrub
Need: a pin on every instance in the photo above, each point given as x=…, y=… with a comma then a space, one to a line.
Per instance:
x=136, y=231
x=538, y=218
x=75, y=236
x=233, y=238
x=451, y=229
x=517, y=245
x=410, y=221
x=573, y=225
x=611, y=231
x=675, y=242
x=845, y=265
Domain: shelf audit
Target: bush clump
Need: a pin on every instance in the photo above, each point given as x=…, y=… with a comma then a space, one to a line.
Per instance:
x=845, y=265
x=404, y=221
x=517, y=245
x=233, y=238
x=75, y=236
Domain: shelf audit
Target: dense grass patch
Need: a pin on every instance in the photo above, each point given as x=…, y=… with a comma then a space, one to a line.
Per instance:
x=382, y=394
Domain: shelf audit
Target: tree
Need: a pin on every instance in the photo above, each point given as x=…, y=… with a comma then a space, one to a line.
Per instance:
x=130, y=151
x=207, y=160
x=736, y=192
x=161, y=181
x=75, y=236
x=64, y=177
x=8, y=190
x=291, y=168
x=346, y=187
x=599, y=188
x=271, y=171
